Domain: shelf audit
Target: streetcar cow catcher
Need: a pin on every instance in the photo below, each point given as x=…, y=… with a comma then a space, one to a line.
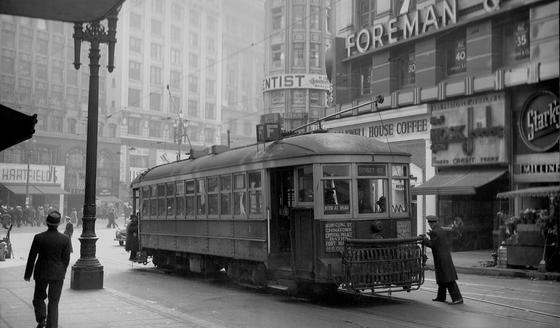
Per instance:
x=301, y=212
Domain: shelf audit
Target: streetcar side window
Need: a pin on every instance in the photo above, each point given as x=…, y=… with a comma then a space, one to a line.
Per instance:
x=225, y=195
x=305, y=184
x=145, y=202
x=161, y=207
x=372, y=188
x=336, y=189
x=190, y=198
x=170, y=200
x=180, y=200
x=213, y=194
x=201, y=197
x=399, y=189
x=255, y=193
x=239, y=202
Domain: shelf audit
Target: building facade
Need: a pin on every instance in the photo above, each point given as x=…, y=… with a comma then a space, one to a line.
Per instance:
x=295, y=84
x=37, y=76
x=475, y=67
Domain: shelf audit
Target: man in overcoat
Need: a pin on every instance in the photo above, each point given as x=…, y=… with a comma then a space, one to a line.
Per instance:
x=446, y=275
x=132, y=237
x=51, y=249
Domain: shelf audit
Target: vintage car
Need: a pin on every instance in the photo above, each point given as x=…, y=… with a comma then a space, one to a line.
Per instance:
x=120, y=235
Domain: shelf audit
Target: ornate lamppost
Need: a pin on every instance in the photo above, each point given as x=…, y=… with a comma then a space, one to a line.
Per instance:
x=87, y=273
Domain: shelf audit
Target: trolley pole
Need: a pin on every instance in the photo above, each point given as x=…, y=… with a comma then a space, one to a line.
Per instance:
x=87, y=273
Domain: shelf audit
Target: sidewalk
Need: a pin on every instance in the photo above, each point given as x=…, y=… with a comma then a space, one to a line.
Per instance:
x=110, y=307
x=477, y=262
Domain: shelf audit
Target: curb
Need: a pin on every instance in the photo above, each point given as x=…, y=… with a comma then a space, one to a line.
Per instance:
x=499, y=272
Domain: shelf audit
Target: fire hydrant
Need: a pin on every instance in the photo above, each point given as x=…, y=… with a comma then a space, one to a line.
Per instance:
x=3, y=246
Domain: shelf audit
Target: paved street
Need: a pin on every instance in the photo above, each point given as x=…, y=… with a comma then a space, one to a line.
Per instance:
x=142, y=296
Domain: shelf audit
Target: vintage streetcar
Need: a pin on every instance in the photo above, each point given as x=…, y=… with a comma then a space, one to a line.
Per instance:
x=317, y=211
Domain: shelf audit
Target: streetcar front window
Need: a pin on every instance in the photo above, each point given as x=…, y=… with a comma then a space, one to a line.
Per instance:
x=336, y=196
x=399, y=189
x=372, y=196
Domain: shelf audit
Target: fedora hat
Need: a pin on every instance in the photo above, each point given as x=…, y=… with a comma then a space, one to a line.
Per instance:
x=53, y=219
x=431, y=218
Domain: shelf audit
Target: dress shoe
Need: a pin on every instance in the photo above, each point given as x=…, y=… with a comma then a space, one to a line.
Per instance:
x=459, y=301
x=438, y=300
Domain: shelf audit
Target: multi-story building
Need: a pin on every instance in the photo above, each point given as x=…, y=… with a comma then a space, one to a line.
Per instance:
x=188, y=63
x=295, y=85
x=199, y=63
x=471, y=91
x=37, y=76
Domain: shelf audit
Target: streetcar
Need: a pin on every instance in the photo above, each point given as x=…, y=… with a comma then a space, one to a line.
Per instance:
x=315, y=211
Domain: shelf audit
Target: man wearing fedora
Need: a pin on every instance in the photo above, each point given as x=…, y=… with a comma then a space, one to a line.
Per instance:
x=51, y=249
x=446, y=275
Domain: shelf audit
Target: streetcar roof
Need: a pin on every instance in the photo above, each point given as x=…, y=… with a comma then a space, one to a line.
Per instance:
x=293, y=147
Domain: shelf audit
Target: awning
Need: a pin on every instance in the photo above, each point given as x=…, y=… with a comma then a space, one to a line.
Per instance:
x=547, y=191
x=107, y=199
x=51, y=190
x=34, y=189
x=456, y=182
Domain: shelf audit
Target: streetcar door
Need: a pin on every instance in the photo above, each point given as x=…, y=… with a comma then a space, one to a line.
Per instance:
x=302, y=232
x=281, y=196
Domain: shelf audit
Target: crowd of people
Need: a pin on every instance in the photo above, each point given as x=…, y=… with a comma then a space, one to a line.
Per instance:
x=21, y=215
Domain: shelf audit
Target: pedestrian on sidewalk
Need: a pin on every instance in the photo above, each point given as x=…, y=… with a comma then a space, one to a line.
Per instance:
x=51, y=249
x=69, y=231
x=446, y=275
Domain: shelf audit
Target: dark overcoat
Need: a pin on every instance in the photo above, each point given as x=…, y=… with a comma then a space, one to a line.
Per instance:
x=443, y=263
x=132, y=236
x=51, y=249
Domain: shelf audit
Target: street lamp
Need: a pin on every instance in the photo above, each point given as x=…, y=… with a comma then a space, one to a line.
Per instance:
x=87, y=273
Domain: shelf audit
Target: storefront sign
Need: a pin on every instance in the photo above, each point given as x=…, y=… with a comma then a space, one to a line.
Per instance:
x=40, y=174
x=469, y=131
x=335, y=235
x=521, y=39
x=409, y=24
x=388, y=128
x=540, y=167
x=296, y=81
x=539, y=123
x=459, y=54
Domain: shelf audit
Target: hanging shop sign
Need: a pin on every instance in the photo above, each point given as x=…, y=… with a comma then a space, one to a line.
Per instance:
x=410, y=23
x=38, y=174
x=539, y=123
x=538, y=167
x=469, y=131
x=296, y=81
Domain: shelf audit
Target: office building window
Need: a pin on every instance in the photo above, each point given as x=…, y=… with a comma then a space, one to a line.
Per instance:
x=155, y=101
x=194, y=18
x=24, y=65
x=314, y=55
x=134, y=70
x=299, y=53
x=154, y=129
x=209, y=135
x=175, y=104
x=210, y=88
x=299, y=17
x=454, y=52
x=210, y=46
x=175, y=79
x=157, y=6
x=366, y=12
x=516, y=41
x=156, y=51
x=315, y=97
x=135, y=21
x=134, y=126
x=155, y=76
x=176, y=34
x=193, y=83
x=298, y=97
x=404, y=64
x=134, y=98
x=26, y=43
x=175, y=57
x=211, y=23
x=277, y=97
x=135, y=45
x=193, y=60
x=57, y=72
x=314, y=17
x=210, y=111
x=277, y=21
x=193, y=39
x=157, y=27
x=277, y=55
x=192, y=108
x=177, y=11
x=71, y=126
x=210, y=65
